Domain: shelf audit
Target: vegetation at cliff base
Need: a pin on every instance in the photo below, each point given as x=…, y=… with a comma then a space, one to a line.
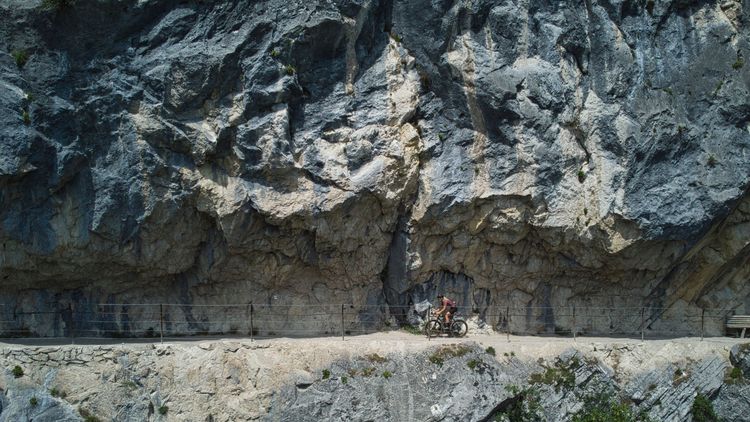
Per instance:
x=17, y=371
x=21, y=57
x=703, y=410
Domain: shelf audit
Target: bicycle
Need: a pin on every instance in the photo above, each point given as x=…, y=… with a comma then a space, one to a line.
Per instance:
x=456, y=327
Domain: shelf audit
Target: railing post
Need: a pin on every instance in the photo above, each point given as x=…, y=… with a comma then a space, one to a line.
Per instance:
x=342, y=322
x=703, y=313
x=252, y=328
x=507, y=322
x=161, y=323
x=643, y=313
x=72, y=324
x=426, y=324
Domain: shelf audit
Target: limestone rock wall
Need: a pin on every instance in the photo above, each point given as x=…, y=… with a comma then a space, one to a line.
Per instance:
x=390, y=380
x=516, y=153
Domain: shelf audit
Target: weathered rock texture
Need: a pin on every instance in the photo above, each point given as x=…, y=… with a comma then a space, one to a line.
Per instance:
x=392, y=380
x=522, y=152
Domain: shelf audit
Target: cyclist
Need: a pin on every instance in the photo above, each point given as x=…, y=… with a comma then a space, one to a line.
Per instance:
x=447, y=308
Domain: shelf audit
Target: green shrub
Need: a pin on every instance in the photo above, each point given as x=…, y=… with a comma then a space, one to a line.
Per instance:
x=703, y=410
x=344, y=380
x=21, y=57
x=352, y=372
x=490, y=351
x=603, y=407
x=26, y=117
x=524, y=406
x=290, y=70
x=387, y=374
x=411, y=329
x=581, y=176
x=33, y=402
x=711, y=160
x=668, y=90
x=396, y=37
x=17, y=371
x=326, y=374
x=367, y=372
x=88, y=416
x=560, y=376
x=163, y=409
x=738, y=64
x=718, y=86
x=446, y=352
x=472, y=364
x=376, y=358
x=733, y=376
x=58, y=393
x=275, y=53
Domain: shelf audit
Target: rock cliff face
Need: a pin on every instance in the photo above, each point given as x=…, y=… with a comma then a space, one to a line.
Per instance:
x=521, y=152
x=393, y=380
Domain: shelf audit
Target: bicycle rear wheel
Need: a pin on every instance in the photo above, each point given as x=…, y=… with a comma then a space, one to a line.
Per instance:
x=459, y=328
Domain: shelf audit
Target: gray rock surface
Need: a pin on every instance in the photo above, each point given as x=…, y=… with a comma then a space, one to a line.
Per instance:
x=382, y=377
x=739, y=356
x=522, y=154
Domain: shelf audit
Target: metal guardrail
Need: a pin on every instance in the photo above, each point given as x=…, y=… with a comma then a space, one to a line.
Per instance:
x=164, y=320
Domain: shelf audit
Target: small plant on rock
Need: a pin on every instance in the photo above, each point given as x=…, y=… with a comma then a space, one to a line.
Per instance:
x=703, y=410
x=581, y=176
x=33, y=402
x=523, y=406
x=734, y=376
x=163, y=409
x=87, y=415
x=326, y=374
x=387, y=374
x=344, y=380
x=607, y=409
x=711, y=161
x=490, y=351
x=738, y=64
x=367, y=372
x=17, y=371
x=290, y=70
x=58, y=393
x=560, y=376
x=472, y=364
x=26, y=117
x=411, y=329
x=376, y=358
x=21, y=57
x=275, y=53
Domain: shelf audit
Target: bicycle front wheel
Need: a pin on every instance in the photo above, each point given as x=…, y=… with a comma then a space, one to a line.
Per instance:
x=433, y=328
